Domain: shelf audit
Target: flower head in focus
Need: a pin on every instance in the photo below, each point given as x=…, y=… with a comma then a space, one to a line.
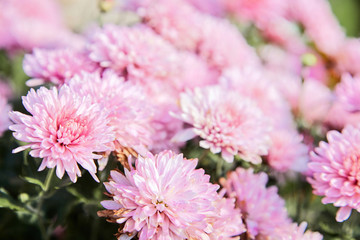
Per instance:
x=64, y=129
x=226, y=121
x=164, y=197
x=335, y=170
x=129, y=112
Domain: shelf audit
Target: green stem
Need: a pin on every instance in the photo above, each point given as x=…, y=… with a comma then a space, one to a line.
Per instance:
x=48, y=179
x=44, y=233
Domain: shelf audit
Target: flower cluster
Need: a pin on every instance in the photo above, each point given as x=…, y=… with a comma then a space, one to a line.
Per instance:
x=246, y=88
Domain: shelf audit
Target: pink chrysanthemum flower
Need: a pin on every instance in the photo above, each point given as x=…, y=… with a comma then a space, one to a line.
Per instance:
x=324, y=30
x=130, y=114
x=136, y=52
x=297, y=232
x=164, y=197
x=175, y=20
x=315, y=101
x=64, y=129
x=262, y=208
x=226, y=221
x=56, y=66
x=226, y=121
x=253, y=83
x=348, y=93
x=4, y=118
x=287, y=152
x=186, y=28
x=32, y=23
x=335, y=168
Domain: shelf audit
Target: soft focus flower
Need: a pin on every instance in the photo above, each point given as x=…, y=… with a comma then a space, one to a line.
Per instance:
x=130, y=114
x=226, y=121
x=324, y=29
x=263, y=210
x=64, y=129
x=136, y=52
x=164, y=197
x=186, y=28
x=315, y=101
x=295, y=232
x=4, y=110
x=222, y=45
x=226, y=220
x=287, y=152
x=348, y=93
x=347, y=55
x=253, y=83
x=32, y=23
x=338, y=117
x=336, y=172
x=56, y=66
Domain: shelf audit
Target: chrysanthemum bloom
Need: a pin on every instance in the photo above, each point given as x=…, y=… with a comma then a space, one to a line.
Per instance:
x=324, y=30
x=215, y=40
x=226, y=221
x=4, y=118
x=130, y=114
x=32, y=23
x=262, y=208
x=315, y=101
x=335, y=171
x=164, y=197
x=64, y=129
x=222, y=45
x=253, y=83
x=347, y=55
x=175, y=20
x=226, y=121
x=287, y=152
x=348, y=93
x=135, y=52
x=56, y=66
x=296, y=232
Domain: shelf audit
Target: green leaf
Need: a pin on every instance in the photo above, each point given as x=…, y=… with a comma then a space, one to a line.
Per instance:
x=6, y=201
x=34, y=181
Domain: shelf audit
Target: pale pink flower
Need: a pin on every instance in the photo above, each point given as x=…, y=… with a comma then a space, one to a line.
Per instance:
x=347, y=55
x=315, y=101
x=287, y=152
x=212, y=7
x=64, y=129
x=226, y=220
x=338, y=117
x=335, y=171
x=253, y=83
x=32, y=23
x=324, y=29
x=215, y=40
x=130, y=114
x=258, y=11
x=56, y=66
x=226, y=121
x=297, y=232
x=348, y=92
x=5, y=89
x=222, y=45
x=262, y=208
x=4, y=110
x=164, y=197
x=175, y=20
x=136, y=52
